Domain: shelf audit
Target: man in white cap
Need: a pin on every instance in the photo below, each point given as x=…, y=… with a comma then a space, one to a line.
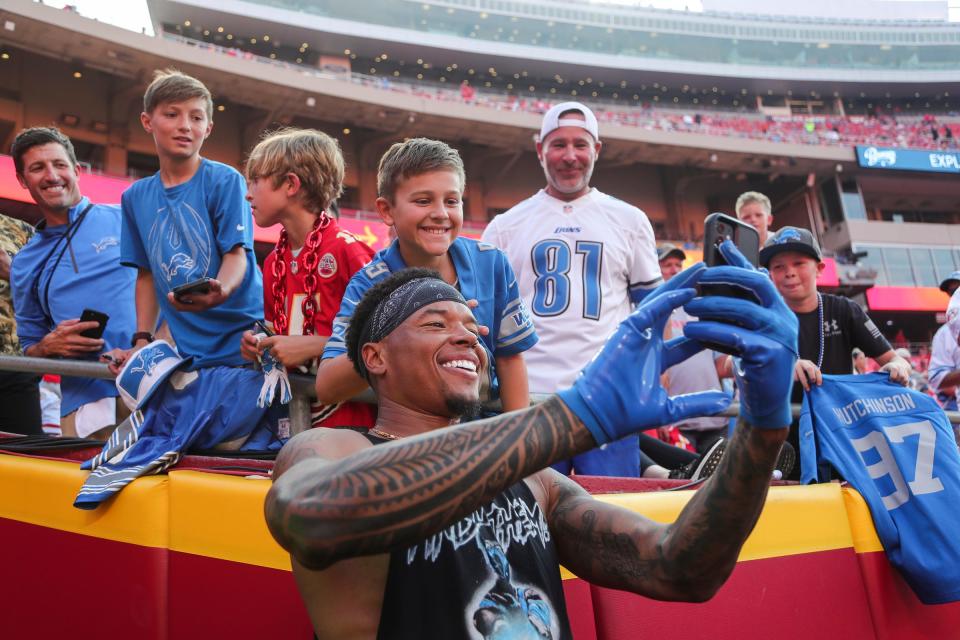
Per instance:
x=582, y=260
x=944, y=369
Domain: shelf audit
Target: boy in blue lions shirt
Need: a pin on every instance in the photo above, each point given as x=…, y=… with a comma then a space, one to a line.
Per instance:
x=420, y=185
x=186, y=222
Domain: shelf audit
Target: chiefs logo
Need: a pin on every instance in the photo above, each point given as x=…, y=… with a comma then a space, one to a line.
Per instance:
x=327, y=266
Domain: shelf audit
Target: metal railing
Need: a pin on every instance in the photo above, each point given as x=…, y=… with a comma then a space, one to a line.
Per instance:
x=302, y=387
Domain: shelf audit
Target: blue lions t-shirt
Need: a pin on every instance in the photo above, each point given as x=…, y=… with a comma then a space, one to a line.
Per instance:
x=180, y=234
x=897, y=448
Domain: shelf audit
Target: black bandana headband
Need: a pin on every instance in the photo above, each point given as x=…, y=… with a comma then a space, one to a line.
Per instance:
x=402, y=303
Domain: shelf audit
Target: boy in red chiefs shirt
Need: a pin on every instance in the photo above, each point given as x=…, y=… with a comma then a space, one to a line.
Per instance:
x=292, y=177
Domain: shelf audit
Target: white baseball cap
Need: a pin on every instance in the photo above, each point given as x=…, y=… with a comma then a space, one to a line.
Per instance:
x=552, y=120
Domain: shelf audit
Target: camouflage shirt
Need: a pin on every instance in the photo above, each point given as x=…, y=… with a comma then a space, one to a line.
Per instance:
x=13, y=235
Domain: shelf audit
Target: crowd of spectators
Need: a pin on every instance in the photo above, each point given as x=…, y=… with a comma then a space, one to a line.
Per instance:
x=904, y=130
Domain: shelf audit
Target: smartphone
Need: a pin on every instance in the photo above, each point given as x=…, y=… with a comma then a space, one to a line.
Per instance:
x=260, y=326
x=92, y=315
x=718, y=227
x=196, y=286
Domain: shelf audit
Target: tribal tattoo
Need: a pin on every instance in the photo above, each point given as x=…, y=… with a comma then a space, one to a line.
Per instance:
x=394, y=495
x=687, y=560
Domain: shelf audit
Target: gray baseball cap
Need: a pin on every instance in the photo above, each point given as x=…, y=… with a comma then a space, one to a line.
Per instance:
x=666, y=250
x=790, y=239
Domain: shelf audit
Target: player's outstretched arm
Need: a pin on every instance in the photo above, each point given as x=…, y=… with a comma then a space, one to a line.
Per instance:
x=691, y=558
x=688, y=560
x=396, y=494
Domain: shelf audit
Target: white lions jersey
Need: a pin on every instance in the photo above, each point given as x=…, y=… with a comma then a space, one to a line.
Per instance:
x=581, y=267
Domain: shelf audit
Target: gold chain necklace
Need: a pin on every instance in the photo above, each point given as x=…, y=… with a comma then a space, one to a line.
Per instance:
x=383, y=434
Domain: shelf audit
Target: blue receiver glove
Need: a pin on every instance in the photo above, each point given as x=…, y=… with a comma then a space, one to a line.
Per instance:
x=762, y=337
x=618, y=393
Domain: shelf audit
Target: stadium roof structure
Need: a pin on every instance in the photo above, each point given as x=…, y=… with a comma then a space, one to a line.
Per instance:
x=270, y=92
x=570, y=41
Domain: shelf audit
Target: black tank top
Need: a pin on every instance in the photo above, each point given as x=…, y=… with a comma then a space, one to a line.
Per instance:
x=493, y=574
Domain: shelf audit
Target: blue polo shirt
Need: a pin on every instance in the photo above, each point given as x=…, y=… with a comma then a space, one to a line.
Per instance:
x=52, y=281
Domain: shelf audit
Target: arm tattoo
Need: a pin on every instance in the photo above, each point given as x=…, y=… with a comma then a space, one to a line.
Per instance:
x=688, y=559
x=394, y=495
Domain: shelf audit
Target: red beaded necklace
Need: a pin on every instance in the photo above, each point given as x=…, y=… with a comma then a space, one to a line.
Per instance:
x=309, y=256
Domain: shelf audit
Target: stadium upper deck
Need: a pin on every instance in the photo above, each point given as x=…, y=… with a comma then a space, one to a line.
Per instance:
x=611, y=52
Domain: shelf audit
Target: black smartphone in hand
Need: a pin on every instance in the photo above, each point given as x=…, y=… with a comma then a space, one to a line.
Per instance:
x=718, y=227
x=201, y=286
x=92, y=315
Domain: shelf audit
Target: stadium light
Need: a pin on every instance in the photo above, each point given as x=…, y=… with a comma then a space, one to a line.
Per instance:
x=4, y=55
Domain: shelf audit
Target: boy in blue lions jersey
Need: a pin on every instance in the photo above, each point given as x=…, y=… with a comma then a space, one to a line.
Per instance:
x=420, y=183
x=187, y=222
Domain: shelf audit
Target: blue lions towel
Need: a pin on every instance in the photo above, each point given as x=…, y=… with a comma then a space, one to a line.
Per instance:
x=196, y=409
x=896, y=447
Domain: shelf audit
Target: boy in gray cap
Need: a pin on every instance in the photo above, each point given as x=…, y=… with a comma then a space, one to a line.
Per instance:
x=830, y=326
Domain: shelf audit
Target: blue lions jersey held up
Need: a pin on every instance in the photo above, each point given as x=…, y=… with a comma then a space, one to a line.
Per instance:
x=897, y=448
